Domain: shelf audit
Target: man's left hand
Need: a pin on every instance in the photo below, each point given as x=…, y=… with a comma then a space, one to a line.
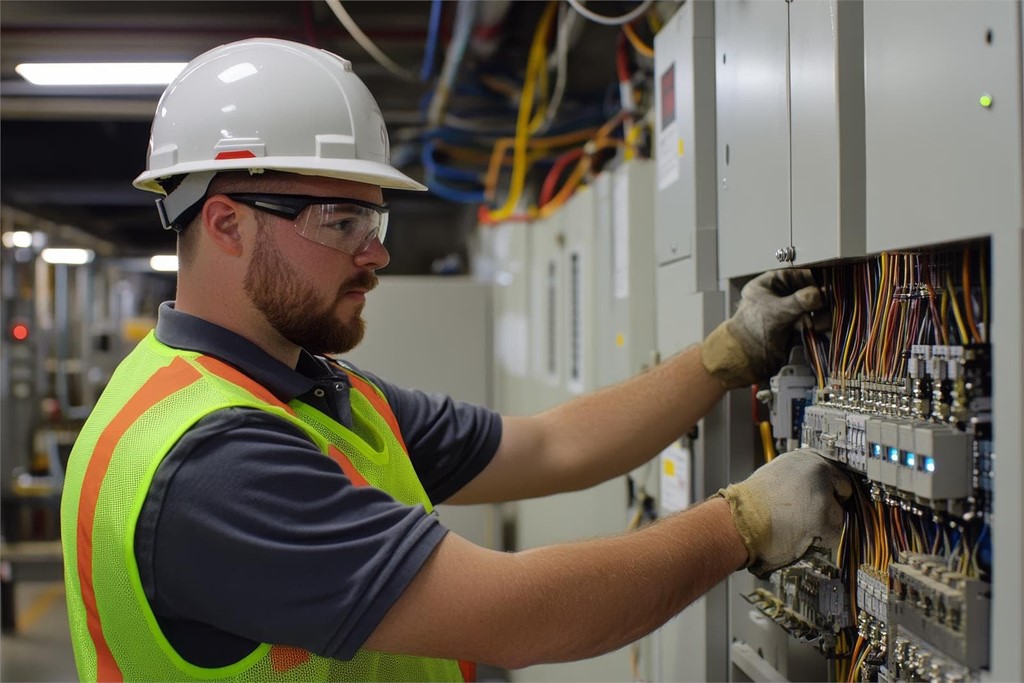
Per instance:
x=754, y=343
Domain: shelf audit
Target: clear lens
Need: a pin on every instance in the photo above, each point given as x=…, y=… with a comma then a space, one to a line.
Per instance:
x=346, y=227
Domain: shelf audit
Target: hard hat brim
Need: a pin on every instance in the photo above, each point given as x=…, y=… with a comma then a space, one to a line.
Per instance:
x=362, y=171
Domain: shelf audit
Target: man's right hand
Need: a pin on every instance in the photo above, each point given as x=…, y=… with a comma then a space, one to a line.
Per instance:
x=786, y=506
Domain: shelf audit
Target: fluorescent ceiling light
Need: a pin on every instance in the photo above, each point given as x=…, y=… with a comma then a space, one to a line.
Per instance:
x=71, y=257
x=101, y=73
x=164, y=263
x=18, y=238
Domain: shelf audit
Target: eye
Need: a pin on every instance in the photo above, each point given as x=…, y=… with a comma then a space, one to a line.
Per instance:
x=347, y=224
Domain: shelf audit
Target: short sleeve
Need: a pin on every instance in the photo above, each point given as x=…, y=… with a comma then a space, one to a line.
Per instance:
x=249, y=529
x=449, y=441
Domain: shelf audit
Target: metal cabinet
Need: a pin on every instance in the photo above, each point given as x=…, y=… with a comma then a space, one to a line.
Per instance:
x=510, y=305
x=752, y=107
x=684, y=65
x=943, y=120
x=827, y=134
x=790, y=133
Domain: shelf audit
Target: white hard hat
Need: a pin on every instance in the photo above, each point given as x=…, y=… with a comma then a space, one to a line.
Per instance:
x=265, y=104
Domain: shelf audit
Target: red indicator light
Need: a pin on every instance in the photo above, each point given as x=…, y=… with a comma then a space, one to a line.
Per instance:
x=19, y=331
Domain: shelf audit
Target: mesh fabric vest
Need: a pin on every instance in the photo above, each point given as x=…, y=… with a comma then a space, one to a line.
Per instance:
x=154, y=397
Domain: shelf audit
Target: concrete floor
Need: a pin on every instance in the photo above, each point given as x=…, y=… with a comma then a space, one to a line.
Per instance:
x=40, y=648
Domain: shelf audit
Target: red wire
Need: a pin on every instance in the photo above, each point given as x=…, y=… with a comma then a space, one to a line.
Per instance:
x=622, y=60
x=550, y=186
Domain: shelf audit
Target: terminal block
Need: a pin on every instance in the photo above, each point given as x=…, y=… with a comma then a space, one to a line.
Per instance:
x=911, y=659
x=873, y=592
x=945, y=609
x=809, y=600
x=837, y=433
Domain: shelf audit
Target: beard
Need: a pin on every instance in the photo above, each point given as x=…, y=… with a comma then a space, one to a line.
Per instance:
x=290, y=305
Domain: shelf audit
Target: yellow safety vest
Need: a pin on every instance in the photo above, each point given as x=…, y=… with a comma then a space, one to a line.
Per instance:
x=156, y=395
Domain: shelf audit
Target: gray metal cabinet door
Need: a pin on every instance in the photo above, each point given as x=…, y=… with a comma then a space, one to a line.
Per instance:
x=943, y=120
x=827, y=100
x=751, y=42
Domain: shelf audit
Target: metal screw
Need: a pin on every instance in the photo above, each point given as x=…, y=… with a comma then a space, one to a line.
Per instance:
x=786, y=254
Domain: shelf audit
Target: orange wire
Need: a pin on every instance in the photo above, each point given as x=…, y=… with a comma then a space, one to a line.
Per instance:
x=635, y=41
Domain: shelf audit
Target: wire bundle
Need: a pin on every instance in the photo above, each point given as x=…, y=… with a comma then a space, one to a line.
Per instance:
x=882, y=307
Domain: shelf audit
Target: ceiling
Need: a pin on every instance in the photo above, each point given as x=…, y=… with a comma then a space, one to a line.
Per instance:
x=69, y=155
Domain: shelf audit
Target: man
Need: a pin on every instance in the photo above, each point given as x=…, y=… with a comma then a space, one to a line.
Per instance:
x=239, y=506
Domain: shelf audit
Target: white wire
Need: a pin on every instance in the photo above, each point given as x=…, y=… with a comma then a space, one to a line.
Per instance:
x=368, y=44
x=566, y=22
x=465, y=17
x=610, y=21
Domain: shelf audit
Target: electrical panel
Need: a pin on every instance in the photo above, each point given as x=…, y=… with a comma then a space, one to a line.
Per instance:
x=625, y=280
x=901, y=399
x=548, y=322
x=510, y=303
x=580, y=304
x=685, y=206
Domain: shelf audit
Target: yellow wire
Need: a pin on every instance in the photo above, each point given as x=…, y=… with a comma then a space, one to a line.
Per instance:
x=537, y=61
x=543, y=145
x=868, y=352
x=654, y=20
x=968, y=306
x=964, y=338
x=635, y=41
x=944, y=315
x=767, y=441
x=849, y=333
x=984, y=293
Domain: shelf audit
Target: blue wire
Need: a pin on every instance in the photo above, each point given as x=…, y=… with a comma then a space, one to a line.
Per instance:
x=434, y=173
x=455, y=195
x=427, y=158
x=428, y=57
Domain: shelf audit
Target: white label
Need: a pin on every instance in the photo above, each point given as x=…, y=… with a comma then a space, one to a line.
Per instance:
x=674, y=463
x=668, y=156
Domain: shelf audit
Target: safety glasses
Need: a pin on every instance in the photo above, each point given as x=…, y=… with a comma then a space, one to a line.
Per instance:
x=348, y=225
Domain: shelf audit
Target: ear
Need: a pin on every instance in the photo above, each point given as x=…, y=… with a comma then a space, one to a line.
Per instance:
x=221, y=224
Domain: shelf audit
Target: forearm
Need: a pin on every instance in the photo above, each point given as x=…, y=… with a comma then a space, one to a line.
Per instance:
x=597, y=436
x=626, y=588
x=610, y=432
x=564, y=602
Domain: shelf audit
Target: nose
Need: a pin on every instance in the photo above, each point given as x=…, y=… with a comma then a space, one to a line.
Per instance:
x=376, y=256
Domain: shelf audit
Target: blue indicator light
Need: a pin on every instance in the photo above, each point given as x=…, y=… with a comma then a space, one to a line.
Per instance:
x=894, y=455
x=910, y=459
x=929, y=464
x=876, y=450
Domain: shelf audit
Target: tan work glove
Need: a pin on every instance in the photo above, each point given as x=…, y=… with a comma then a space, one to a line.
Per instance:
x=754, y=343
x=787, y=506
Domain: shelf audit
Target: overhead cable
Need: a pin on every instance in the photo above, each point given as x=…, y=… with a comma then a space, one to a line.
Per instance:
x=427, y=70
x=368, y=44
x=611, y=21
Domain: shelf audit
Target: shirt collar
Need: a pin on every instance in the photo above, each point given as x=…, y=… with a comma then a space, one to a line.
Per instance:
x=184, y=331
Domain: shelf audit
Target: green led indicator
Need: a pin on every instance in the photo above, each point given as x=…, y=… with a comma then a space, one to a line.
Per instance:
x=985, y=101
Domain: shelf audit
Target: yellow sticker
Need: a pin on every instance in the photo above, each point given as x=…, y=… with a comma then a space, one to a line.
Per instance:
x=670, y=467
x=620, y=340
x=680, y=147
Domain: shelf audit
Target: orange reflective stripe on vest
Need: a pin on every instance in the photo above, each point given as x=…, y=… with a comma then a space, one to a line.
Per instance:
x=166, y=381
x=236, y=377
x=379, y=404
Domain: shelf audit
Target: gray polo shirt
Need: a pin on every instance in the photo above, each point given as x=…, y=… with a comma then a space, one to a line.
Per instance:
x=250, y=534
